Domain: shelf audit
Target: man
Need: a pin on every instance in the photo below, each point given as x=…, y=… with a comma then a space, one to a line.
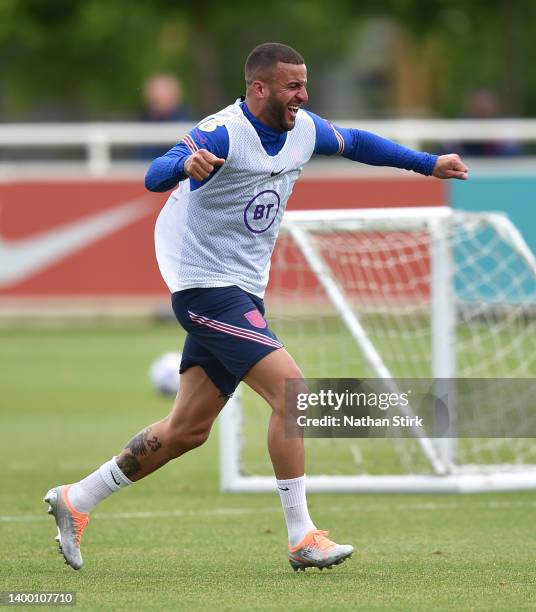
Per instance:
x=162, y=101
x=214, y=240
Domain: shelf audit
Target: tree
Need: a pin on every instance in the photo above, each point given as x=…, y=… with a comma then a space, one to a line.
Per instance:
x=88, y=58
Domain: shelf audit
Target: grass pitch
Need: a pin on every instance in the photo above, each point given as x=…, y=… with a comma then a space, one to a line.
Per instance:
x=70, y=400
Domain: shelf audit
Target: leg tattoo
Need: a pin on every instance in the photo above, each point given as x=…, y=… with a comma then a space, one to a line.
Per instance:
x=129, y=465
x=137, y=444
x=154, y=443
x=127, y=461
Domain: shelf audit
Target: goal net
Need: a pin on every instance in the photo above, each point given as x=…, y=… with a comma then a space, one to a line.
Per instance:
x=415, y=293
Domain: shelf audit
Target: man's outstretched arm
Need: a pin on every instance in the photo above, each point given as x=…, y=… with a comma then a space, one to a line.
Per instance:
x=369, y=148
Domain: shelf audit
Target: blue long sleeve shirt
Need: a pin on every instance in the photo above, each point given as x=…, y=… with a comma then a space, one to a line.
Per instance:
x=166, y=171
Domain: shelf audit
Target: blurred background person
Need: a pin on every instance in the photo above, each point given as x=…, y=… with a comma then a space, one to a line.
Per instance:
x=162, y=102
x=163, y=99
x=483, y=103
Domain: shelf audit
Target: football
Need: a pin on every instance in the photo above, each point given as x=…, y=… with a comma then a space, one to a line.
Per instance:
x=164, y=373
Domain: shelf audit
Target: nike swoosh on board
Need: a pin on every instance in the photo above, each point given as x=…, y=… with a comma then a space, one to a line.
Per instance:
x=276, y=173
x=22, y=258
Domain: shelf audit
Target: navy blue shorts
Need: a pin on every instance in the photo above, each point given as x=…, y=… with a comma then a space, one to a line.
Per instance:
x=227, y=333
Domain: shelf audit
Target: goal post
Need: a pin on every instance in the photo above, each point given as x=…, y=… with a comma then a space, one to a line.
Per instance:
x=392, y=294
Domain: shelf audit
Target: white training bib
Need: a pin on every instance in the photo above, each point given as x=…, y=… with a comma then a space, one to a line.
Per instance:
x=224, y=232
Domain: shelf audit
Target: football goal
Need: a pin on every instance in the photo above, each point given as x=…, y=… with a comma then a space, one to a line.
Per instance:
x=402, y=293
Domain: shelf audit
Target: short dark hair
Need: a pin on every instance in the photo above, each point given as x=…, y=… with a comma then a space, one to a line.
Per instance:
x=264, y=58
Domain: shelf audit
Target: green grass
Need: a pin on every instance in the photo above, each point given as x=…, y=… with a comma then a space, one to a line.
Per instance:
x=70, y=399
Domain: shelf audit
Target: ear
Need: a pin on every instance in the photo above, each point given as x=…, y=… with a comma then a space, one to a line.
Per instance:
x=258, y=89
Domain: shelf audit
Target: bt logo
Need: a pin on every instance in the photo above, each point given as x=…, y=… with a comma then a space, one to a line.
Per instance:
x=258, y=213
x=261, y=211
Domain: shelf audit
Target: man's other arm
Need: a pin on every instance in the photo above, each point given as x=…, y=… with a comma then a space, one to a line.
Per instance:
x=197, y=156
x=368, y=148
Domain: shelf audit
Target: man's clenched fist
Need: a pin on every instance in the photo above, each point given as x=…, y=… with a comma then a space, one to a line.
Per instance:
x=450, y=166
x=200, y=165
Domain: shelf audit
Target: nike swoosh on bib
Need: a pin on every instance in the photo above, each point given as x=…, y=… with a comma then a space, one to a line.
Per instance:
x=20, y=259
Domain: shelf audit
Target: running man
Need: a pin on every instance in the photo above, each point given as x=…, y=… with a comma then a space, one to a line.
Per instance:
x=214, y=239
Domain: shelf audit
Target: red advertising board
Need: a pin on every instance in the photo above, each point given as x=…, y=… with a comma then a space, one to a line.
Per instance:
x=94, y=238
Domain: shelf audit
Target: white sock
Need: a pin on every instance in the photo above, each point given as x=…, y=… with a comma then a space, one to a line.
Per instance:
x=292, y=494
x=87, y=493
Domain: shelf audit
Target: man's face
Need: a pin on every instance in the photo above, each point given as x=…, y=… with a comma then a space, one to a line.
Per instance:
x=285, y=93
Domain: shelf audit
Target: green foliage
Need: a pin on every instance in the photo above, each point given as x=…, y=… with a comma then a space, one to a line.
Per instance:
x=89, y=57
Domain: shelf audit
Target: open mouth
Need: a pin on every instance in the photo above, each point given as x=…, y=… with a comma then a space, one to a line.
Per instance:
x=293, y=110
